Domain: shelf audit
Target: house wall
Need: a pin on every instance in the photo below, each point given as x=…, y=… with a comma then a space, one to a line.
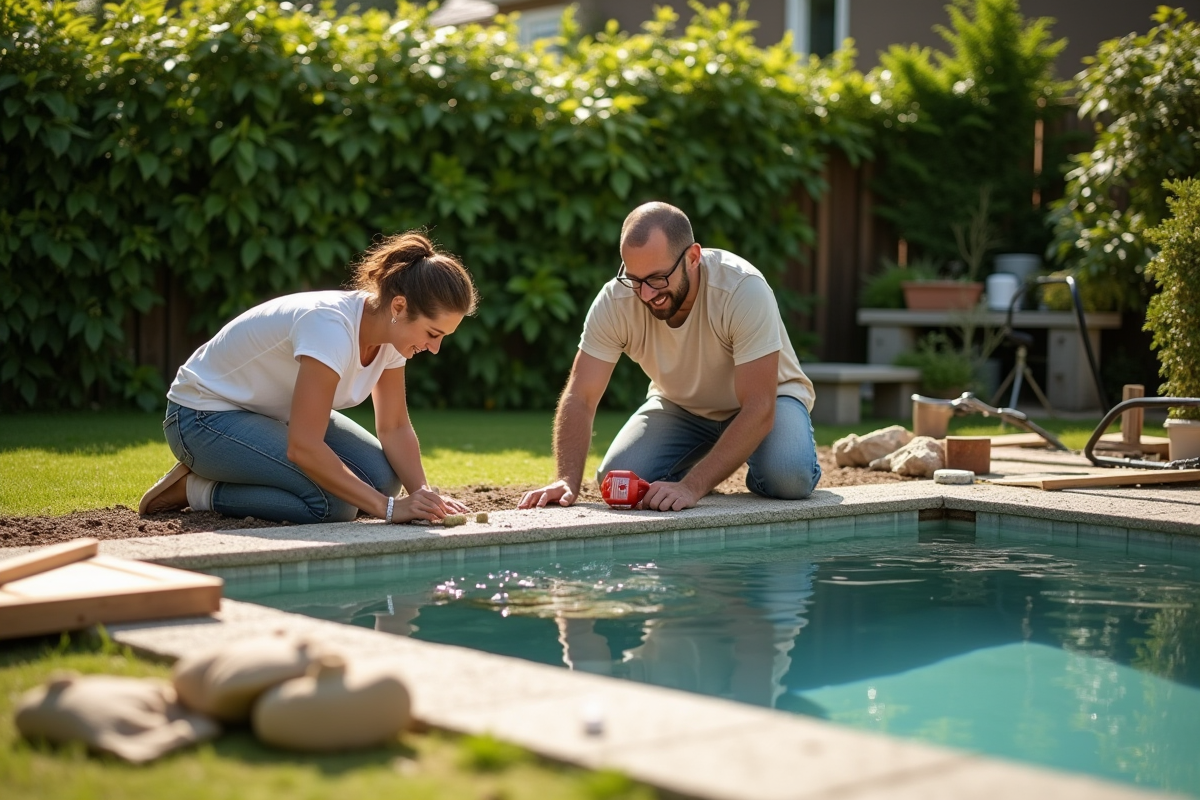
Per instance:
x=876, y=24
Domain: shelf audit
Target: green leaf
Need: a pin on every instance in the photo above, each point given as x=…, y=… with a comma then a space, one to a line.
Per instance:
x=59, y=139
x=214, y=204
x=147, y=164
x=620, y=181
x=60, y=253
x=93, y=333
x=8, y=81
x=219, y=146
x=251, y=252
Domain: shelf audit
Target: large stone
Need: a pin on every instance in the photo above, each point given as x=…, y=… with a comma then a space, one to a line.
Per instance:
x=920, y=458
x=859, y=451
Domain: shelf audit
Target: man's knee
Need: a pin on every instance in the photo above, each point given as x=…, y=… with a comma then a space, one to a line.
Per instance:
x=794, y=484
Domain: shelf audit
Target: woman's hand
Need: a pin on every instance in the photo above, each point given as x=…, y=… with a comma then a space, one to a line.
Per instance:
x=425, y=503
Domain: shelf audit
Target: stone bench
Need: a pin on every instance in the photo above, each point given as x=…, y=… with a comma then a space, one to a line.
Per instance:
x=838, y=388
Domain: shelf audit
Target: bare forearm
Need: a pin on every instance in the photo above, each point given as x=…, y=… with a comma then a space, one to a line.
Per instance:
x=735, y=445
x=403, y=452
x=572, y=438
x=320, y=463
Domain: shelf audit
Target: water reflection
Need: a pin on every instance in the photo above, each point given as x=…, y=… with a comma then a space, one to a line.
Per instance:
x=1057, y=656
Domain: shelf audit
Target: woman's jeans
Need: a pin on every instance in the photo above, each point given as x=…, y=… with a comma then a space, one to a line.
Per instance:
x=246, y=454
x=661, y=442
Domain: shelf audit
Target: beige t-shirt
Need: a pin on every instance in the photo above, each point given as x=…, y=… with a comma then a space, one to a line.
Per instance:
x=735, y=320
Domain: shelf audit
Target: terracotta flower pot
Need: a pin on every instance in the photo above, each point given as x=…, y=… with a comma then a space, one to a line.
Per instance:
x=941, y=295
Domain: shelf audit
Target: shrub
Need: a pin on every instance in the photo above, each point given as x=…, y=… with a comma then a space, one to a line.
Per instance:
x=1173, y=314
x=251, y=150
x=946, y=371
x=1141, y=89
x=959, y=123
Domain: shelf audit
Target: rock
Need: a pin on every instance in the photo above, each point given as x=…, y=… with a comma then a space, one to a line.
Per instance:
x=920, y=458
x=452, y=520
x=859, y=451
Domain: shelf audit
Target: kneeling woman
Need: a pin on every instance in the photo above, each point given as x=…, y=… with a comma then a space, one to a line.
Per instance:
x=251, y=415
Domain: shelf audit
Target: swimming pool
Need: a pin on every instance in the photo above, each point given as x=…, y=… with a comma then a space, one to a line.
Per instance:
x=1008, y=643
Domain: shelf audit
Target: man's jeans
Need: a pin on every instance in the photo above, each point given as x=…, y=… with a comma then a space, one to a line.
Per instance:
x=246, y=453
x=661, y=442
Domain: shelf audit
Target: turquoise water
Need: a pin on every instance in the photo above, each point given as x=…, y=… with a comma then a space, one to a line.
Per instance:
x=1071, y=657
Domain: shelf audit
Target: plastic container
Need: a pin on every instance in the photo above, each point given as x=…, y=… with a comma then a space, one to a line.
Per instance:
x=1020, y=264
x=1001, y=288
x=1184, y=435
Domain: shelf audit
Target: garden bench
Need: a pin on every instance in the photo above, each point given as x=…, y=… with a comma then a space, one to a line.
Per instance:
x=838, y=387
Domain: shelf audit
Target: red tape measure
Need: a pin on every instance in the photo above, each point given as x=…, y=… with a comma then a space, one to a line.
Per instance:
x=623, y=489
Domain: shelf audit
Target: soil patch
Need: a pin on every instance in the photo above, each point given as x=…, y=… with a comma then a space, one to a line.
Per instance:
x=120, y=522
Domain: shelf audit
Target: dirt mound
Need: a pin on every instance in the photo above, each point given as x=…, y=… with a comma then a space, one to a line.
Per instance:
x=120, y=522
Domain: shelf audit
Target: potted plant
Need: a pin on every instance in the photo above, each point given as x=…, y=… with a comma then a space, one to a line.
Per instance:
x=885, y=288
x=1173, y=315
x=974, y=240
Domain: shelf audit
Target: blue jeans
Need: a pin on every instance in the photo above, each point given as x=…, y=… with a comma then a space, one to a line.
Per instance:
x=246, y=454
x=661, y=442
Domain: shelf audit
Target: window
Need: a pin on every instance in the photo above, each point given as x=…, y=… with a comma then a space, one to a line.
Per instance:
x=539, y=23
x=818, y=26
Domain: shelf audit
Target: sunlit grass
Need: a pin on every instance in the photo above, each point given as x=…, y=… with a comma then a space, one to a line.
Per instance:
x=59, y=463
x=430, y=765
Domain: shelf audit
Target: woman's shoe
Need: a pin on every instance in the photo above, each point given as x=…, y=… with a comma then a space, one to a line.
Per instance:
x=178, y=473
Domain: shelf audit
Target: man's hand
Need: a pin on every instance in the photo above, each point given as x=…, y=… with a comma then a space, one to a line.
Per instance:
x=668, y=496
x=557, y=492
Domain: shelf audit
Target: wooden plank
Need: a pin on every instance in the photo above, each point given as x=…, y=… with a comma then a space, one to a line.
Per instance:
x=1115, y=477
x=1019, y=440
x=1149, y=444
x=47, y=558
x=103, y=590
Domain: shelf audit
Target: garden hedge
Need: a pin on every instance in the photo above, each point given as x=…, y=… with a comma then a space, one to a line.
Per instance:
x=250, y=150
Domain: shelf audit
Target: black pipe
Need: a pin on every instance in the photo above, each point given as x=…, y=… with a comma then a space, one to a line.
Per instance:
x=1117, y=410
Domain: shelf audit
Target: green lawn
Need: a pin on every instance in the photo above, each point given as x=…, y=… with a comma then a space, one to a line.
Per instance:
x=58, y=463
x=430, y=765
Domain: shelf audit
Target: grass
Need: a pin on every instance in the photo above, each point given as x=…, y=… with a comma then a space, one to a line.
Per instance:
x=429, y=765
x=59, y=463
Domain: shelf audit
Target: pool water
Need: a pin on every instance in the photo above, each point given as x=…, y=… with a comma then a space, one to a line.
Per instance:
x=1070, y=657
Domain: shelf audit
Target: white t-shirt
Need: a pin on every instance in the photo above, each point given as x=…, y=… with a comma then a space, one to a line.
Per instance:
x=252, y=363
x=735, y=320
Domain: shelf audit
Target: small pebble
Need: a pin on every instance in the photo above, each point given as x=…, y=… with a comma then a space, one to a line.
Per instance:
x=453, y=520
x=249, y=519
x=954, y=477
x=481, y=517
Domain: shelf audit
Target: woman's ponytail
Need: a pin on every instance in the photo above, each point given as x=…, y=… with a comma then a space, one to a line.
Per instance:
x=408, y=265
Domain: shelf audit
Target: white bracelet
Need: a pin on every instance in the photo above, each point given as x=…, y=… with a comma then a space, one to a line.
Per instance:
x=391, y=505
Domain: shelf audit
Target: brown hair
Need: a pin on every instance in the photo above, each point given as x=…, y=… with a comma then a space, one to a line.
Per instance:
x=657, y=216
x=410, y=266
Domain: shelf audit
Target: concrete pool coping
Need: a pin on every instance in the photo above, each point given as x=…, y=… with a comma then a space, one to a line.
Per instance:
x=688, y=744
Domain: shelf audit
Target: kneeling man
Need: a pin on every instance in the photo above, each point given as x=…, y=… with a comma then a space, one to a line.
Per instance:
x=726, y=387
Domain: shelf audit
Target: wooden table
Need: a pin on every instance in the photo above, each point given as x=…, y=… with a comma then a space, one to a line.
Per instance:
x=1069, y=383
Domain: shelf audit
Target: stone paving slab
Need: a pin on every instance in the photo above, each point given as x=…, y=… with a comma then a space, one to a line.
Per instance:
x=695, y=746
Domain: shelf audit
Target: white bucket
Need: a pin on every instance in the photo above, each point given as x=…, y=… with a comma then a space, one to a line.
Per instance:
x=1001, y=286
x=1020, y=264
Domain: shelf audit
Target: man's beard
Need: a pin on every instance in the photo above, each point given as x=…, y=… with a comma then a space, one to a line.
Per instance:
x=677, y=297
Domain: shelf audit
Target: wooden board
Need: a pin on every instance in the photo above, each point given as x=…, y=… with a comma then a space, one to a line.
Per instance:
x=1113, y=477
x=103, y=589
x=1150, y=444
x=47, y=558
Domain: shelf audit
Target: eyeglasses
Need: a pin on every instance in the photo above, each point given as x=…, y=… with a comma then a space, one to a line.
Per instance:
x=656, y=282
